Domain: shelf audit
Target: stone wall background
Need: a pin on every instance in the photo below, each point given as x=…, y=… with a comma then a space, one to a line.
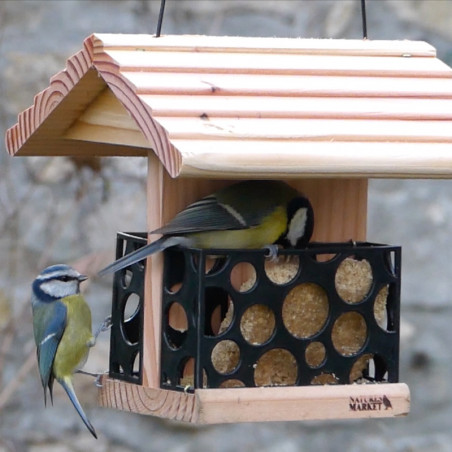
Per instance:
x=57, y=210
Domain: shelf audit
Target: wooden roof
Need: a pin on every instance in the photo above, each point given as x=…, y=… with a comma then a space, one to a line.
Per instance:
x=249, y=107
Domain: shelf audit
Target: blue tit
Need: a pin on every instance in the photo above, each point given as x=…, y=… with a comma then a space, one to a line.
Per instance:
x=62, y=330
x=248, y=214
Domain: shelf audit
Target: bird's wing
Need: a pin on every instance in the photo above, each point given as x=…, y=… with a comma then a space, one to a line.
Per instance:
x=207, y=214
x=49, y=323
x=239, y=206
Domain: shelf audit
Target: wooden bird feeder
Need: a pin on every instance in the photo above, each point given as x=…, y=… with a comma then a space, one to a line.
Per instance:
x=324, y=115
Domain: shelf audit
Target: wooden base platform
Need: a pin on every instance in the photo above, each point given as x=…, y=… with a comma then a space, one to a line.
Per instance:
x=216, y=406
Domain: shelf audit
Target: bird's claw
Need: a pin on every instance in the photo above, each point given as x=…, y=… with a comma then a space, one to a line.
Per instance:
x=98, y=380
x=106, y=324
x=271, y=252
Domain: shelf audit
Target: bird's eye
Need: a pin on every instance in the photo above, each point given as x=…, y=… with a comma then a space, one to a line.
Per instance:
x=64, y=278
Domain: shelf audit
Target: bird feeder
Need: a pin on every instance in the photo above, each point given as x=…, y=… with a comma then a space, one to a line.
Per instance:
x=323, y=115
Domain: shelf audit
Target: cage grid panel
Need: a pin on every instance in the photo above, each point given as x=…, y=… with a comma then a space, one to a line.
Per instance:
x=126, y=338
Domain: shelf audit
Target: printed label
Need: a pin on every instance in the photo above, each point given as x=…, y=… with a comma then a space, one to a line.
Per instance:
x=375, y=403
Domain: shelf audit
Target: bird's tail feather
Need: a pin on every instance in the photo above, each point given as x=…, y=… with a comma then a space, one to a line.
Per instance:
x=50, y=386
x=142, y=253
x=69, y=388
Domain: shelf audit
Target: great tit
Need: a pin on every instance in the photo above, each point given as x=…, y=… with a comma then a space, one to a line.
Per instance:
x=248, y=214
x=62, y=330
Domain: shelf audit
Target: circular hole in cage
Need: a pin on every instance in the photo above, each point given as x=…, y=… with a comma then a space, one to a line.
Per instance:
x=225, y=357
x=177, y=325
x=187, y=373
x=123, y=248
x=324, y=379
x=349, y=333
x=177, y=317
x=381, y=308
x=126, y=278
x=175, y=288
x=257, y=324
x=130, y=324
x=353, y=279
x=131, y=307
x=232, y=383
x=220, y=320
x=305, y=310
x=360, y=368
x=283, y=270
x=135, y=246
x=218, y=311
x=174, y=270
x=324, y=257
x=378, y=370
x=212, y=264
x=136, y=364
x=243, y=277
x=315, y=354
x=390, y=260
x=369, y=368
x=114, y=366
x=140, y=265
x=277, y=367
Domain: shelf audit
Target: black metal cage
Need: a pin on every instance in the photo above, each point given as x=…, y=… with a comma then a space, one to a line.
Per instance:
x=331, y=318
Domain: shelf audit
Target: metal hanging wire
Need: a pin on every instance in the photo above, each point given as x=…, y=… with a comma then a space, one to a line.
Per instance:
x=364, y=18
x=160, y=20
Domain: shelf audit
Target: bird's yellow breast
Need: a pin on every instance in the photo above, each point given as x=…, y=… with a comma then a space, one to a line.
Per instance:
x=74, y=345
x=266, y=233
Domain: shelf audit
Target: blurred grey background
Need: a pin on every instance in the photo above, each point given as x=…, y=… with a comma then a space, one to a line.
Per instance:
x=60, y=210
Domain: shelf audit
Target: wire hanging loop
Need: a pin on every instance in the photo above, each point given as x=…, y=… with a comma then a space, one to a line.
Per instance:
x=364, y=18
x=160, y=20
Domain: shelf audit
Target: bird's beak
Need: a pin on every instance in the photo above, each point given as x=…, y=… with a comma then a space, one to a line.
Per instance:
x=82, y=278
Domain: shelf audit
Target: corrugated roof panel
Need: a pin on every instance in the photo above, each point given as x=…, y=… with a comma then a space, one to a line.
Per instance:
x=288, y=85
x=273, y=63
x=260, y=107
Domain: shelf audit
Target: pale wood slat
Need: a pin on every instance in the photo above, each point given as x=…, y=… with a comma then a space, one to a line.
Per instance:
x=278, y=64
x=156, y=402
x=298, y=107
x=106, y=120
x=294, y=159
x=198, y=43
x=287, y=85
x=289, y=403
x=299, y=403
x=96, y=133
x=59, y=147
x=306, y=129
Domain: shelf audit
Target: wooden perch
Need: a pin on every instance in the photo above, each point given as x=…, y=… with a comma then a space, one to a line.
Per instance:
x=213, y=406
